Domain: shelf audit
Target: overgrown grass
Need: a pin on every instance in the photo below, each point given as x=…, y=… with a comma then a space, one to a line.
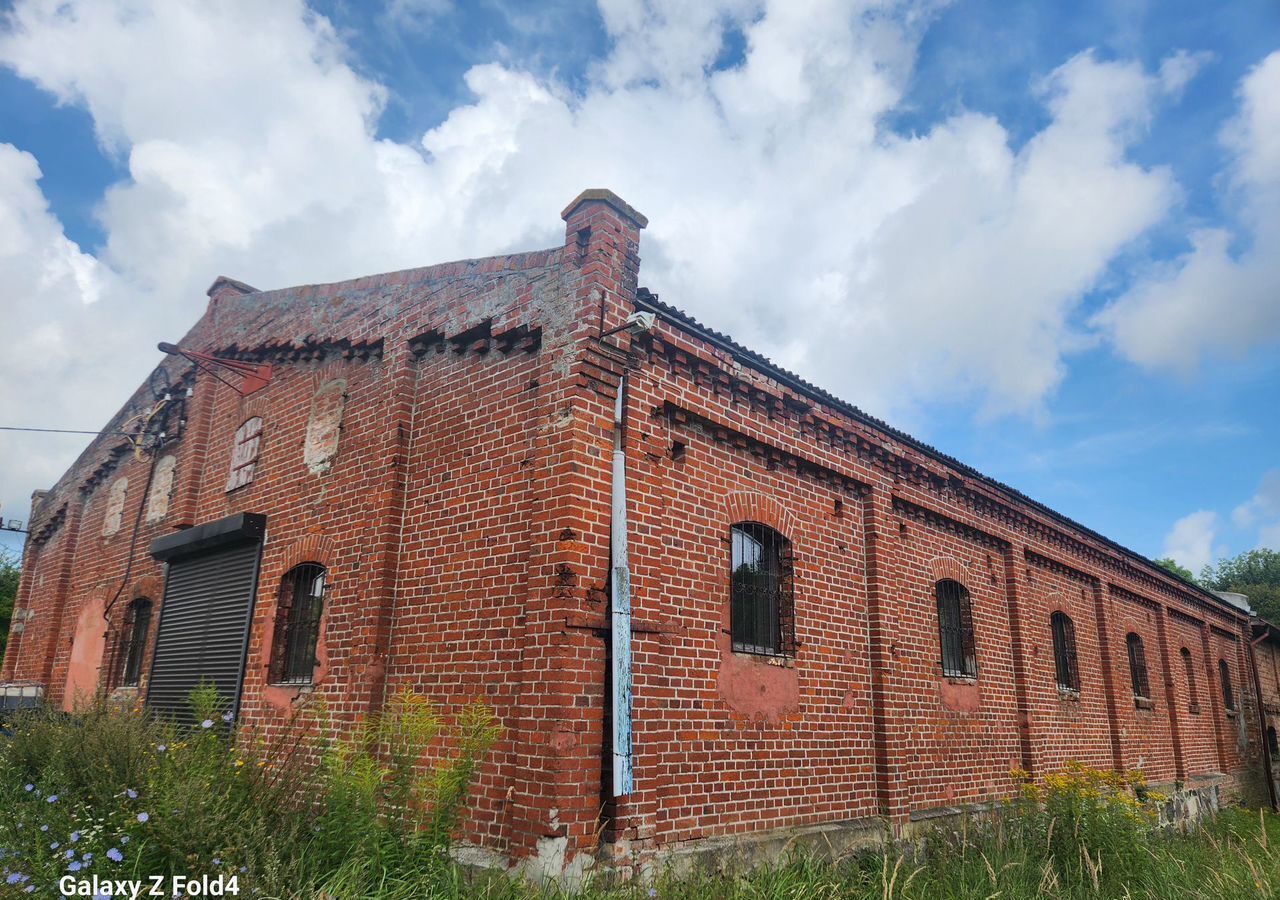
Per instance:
x=317, y=810
x=323, y=813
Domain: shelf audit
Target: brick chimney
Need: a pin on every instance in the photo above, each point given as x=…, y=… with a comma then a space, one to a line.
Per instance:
x=602, y=241
x=224, y=287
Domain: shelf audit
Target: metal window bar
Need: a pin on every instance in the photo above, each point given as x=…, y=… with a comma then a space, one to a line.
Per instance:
x=1064, y=652
x=955, y=630
x=305, y=587
x=761, y=613
x=1193, y=700
x=1224, y=675
x=137, y=624
x=1138, y=667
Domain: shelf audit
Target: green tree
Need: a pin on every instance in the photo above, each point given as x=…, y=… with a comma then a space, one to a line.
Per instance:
x=1254, y=573
x=1171, y=564
x=10, y=568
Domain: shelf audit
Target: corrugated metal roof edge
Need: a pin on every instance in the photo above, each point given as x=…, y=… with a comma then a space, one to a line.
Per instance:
x=648, y=299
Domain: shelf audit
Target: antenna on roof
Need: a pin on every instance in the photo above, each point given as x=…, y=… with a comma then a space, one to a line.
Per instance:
x=253, y=377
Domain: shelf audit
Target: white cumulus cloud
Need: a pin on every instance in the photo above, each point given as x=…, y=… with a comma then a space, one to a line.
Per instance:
x=1191, y=540
x=892, y=269
x=1223, y=295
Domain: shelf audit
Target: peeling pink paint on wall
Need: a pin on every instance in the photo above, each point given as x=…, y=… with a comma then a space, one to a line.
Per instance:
x=86, y=655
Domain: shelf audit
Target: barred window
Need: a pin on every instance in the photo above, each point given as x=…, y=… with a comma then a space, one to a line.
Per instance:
x=761, y=608
x=1064, y=651
x=1193, y=698
x=298, y=624
x=133, y=641
x=1224, y=675
x=955, y=630
x=1138, y=667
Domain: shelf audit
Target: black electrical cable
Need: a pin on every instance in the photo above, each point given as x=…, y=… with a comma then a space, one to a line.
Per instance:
x=60, y=430
x=133, y=543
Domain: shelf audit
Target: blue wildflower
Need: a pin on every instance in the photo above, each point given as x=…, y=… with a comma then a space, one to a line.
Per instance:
x=88, y=857
x=54, y=846
x=52, y=798
x=75, y=836
x=28, y=889
x=115, y=855
x=227, y=717
x=217, y=861
x=14, y=878
x=244, y=869
x=44, y=827
x=207, y=723
x=133, y=795
x=70, y=854
x=125, y=839
x=161, y=747
x=142, y=817
x=75, y=867
x=28, y=788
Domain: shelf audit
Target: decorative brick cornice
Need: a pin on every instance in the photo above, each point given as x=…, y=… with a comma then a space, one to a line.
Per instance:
x=772, y=457
x=1060, y=568
x=479, y=338
x=306, y=350
x=1131, y=597
x=940, y=522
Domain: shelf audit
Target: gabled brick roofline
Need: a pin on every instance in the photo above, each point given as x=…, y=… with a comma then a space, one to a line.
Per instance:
x=648, y=300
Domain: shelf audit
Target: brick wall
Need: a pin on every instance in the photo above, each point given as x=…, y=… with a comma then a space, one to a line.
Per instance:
x=462, y=510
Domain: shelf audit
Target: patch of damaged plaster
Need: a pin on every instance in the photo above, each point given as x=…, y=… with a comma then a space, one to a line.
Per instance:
x=161, y=488
x=325, y=426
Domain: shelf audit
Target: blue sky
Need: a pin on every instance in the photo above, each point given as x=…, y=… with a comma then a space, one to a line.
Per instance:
x=1042, y=237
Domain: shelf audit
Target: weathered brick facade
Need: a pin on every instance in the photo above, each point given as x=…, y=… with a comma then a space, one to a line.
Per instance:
x=440, y=439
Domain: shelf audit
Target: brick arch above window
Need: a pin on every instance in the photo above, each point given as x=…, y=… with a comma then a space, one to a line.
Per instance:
x=313, y=548
x=753, y=506
x=948, y=568
x=149, y=586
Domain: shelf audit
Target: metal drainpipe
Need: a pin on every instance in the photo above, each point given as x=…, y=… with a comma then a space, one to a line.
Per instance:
x=620, y=603
x=1262, y=721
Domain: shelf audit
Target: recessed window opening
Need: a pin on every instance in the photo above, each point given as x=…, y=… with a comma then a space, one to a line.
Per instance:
x=955, y=630
x=761, y=612
x=1138, y=667
x=298, y=624
x=1064, y=651
x=137, y=623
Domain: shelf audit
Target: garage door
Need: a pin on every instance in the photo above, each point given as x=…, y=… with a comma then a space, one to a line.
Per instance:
x=203, y=633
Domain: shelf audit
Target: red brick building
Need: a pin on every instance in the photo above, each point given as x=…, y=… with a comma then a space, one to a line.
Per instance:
x=832, y=625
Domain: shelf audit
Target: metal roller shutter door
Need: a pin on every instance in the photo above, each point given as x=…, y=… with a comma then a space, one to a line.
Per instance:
x=204, y=627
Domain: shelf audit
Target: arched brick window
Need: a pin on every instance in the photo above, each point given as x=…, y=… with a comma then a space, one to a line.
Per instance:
x=1193, y=696
x=133, y=641
x=1224, y=675
x=1064, y=651
x=1138, y=667
x=761, y=606
x=955, y=630
x=297, y=627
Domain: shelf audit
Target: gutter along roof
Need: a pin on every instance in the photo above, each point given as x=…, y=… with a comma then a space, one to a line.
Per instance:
x=648, y=300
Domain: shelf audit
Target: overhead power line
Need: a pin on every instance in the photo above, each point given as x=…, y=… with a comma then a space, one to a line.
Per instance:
x=60, y=430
